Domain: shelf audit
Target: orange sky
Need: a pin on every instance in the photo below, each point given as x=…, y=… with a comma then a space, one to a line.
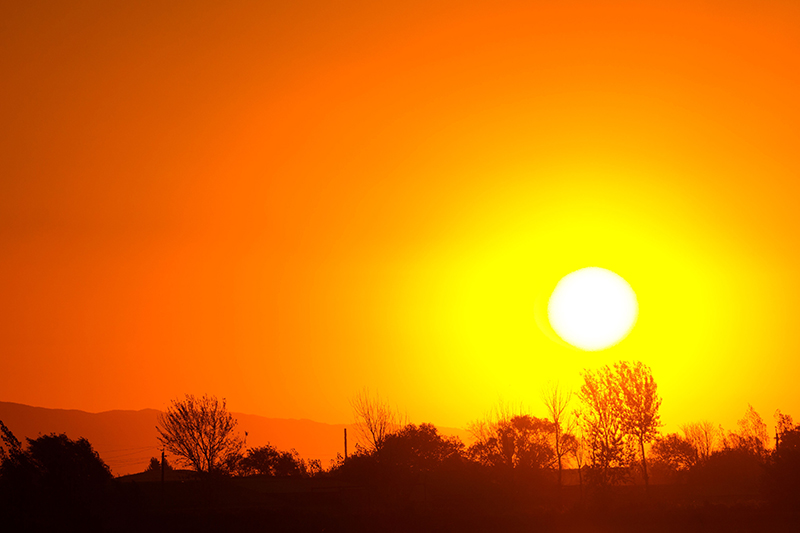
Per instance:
x=282, y=204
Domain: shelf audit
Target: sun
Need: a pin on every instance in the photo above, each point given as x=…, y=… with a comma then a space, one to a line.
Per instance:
x=592, y=308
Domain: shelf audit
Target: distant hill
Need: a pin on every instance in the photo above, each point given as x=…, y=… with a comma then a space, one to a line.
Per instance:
x=126, y=440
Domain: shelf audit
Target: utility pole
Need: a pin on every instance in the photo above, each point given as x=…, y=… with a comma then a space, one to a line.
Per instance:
x=345, y=444
x=163, y=461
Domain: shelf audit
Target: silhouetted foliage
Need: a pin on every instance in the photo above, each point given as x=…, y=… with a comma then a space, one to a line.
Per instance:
x=155, y=465
x=739, y=465
x=783, y=423
x=419, y=479
x=10, y=443
x=410, y=462
x=751, y=436
x=673, y=456
x=602, y=421
x=269, y=461
x=729, y=471
x=784, y=466
x=55, y=479
x=419, y=449
x=519, y=442
x=200, y=432
x=640, y=403
x=619, y=417
x=411, y=450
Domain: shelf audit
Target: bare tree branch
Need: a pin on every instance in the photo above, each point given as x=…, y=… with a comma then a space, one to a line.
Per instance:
x=375, y=419
x=556, y=401
x=200, y=432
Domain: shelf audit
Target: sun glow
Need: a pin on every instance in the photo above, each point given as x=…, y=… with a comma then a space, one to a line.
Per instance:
x=592, y=308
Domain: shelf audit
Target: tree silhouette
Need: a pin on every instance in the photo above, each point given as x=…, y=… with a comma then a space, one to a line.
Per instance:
x=10, y=443
x=556, y=402
x=674, y=454
x=640, y=403
x=783, y=469
x=517, y=442
x=575, y=444
x=704, y=436
x=603, y=424
x=619, y=416
x=783, y=424
x=752, y=435
x=375, y=419
x=155, y=465
x=54, y=482
x=200, y=432
x=419, y=449
x=269, y=461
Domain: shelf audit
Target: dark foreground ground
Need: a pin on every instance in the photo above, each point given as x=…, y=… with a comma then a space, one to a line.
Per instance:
x=333, y=505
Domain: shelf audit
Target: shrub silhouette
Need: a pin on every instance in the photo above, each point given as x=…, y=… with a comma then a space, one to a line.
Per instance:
x=269, y=461
x=54, y=480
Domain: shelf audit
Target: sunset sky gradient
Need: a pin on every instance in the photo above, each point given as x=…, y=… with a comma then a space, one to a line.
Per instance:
x=283, y=203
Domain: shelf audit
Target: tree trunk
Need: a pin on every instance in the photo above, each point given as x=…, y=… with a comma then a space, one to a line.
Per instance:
x=559, y=472
x=644, y=466
x=558, y=454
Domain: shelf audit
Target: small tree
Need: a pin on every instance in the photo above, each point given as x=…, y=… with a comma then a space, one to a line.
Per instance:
x=375, y=418
x=640, y=403
x=556, y=402
x=155, y=465
x=200, y=432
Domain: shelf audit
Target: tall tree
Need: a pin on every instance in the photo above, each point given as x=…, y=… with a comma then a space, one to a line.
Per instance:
x=375, y=418
x=556, y=401
x=752, y=434
x=602, y=423
x=200, y=432
x=640, y=403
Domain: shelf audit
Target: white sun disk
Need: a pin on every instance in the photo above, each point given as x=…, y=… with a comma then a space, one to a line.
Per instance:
x=592, y=308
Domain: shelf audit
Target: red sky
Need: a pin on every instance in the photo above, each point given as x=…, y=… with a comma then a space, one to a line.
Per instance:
x=283, y=203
